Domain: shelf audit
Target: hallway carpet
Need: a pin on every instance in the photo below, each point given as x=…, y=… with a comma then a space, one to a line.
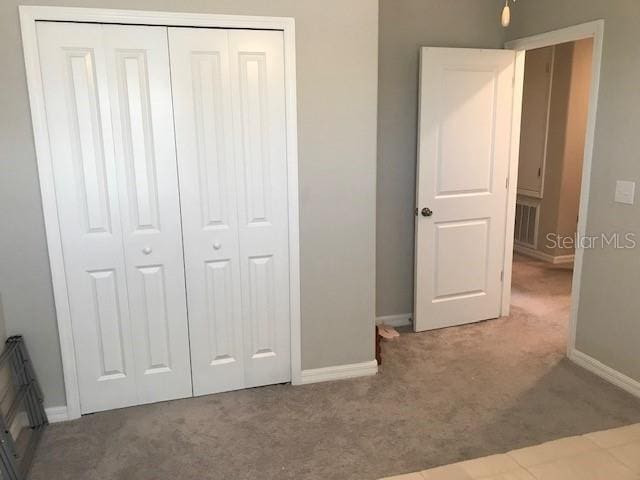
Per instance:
x=440, y=397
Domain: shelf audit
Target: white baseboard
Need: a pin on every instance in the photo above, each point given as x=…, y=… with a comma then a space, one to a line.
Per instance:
x=339, y=372
x=545, y=257
x=57, y=414
x=20, y=421
x=401, y=320
x=609, y=374
x=54, y=414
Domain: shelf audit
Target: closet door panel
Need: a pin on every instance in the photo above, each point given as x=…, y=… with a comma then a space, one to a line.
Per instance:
x=257, y=88
x=142, y=113
x=204, y=133
x=74, y=75
x=108, y=103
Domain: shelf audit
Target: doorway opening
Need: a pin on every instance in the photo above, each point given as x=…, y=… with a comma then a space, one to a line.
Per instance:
x=556, y=100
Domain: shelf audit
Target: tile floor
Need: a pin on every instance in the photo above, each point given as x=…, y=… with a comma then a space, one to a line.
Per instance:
x=607, y=455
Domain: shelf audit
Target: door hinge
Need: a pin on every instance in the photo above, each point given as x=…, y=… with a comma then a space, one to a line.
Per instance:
x=539, y=172
x=502, y=276
x=506, y=183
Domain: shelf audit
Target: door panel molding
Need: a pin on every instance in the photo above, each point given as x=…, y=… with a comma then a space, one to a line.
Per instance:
x=29, y=16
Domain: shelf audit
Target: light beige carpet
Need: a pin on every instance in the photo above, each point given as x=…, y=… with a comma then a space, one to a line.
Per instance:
x=440, y=397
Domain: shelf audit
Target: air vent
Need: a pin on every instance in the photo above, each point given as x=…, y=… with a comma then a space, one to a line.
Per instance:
x=526, y=231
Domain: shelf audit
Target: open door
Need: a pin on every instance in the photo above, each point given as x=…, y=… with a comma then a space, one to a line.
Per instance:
x=464, y=142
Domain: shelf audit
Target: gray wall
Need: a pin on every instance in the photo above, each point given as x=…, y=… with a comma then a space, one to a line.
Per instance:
x=608, y=315
x=3, y=328
x=337, y=57
x=405, y=25
x=575, y=136
x=556, y=140
x=5, y=373
x=565, y=144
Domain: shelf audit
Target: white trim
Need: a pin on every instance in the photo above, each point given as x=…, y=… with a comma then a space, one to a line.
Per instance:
x=339, y=372
x=140, y=17
x=20, y=421
x=512, y=181
x=401, y=320
x=529, y=194
x=593, y=30
x=57, y=414
x=603, y=371
x=293, y=186
x=563, y=35
x=28, y=17
x=54, y=415
x=545, y=257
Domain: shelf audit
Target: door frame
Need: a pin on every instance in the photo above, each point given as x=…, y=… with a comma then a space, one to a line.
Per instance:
x=594, y=30
x=29, y=15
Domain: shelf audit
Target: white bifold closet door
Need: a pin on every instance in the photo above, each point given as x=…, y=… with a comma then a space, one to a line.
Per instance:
x=109, y=113
x=228, y=94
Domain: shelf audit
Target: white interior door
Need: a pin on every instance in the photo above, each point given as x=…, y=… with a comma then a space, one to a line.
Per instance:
x=230, y=135
x=109, y=113
x=463, y=157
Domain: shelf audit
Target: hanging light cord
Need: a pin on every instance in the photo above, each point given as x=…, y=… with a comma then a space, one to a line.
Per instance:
x=506, y=14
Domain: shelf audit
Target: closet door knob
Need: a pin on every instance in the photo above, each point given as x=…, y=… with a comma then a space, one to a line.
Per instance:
x=426, y=212
x=147, y=250
x=217, y=246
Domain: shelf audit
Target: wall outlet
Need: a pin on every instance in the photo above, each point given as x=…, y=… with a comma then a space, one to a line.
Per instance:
x=625, y=192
